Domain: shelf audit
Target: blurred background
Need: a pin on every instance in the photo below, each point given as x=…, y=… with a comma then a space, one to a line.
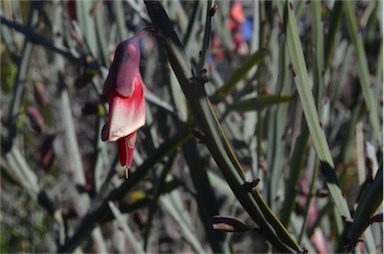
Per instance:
x=55, y=169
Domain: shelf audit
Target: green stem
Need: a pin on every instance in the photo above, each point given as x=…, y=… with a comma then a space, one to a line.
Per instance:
x=309, y=200
x=207, y=36
x=295, y=165
x=158, y=189
x=367, y=206
x=334, y=24
x=363, y=70
x=302, y=81
x=216, y=140
x=19, y=83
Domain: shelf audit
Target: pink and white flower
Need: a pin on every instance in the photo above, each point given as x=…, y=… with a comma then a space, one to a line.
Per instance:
x=125, y=88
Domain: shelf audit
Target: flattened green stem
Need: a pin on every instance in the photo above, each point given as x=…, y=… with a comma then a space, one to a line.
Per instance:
x=367, y=206
x=87, y=24
x=19, y=83
x=207, y=36
x=101, y=38
x=216, y=140
x=310, y=199
x=240, y=73
x=205, y=194
x=296, y=166
x=258, y=103
x=192, y=25
x=334, y=23
x=37, y=39
x=72, y=143
x=363, y=71
x=120, y=19
x=218, y=146
x=318, y=54
x=158, y=189
x=302, y=84
x=23, y=172
x=173, y=204
x=122, y=222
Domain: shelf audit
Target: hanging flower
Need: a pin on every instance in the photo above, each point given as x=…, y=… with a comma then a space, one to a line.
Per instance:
x=124, y=88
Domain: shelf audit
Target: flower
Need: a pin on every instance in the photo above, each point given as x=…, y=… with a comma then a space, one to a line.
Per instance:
x=125, y=88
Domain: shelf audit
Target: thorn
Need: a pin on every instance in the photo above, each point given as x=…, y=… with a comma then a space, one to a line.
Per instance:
x=248, y=186
x=198, y=135
x=263, y=166
x=152, y=30
x=376, y=218
x=322, y=193
x=213, y=10
x=280, y=24
x=203, y=78
x=200, y=80
x=369, y=163
x=351, y=245
x=258, y=230
x=287, y=133
x=203, y=71
x=293, y=71
x=371, y=177
x=348, y=221
x=291, y=6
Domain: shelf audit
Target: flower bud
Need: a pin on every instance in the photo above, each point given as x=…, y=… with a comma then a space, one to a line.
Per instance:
x=229, y=224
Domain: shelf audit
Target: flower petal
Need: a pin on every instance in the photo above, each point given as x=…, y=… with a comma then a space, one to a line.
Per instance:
x=126, y=147
x=124, y=69
x=126, y=114
x=105, y=132
x=129, y=69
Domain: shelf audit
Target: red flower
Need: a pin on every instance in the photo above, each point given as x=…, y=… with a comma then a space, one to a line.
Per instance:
x=124, y=88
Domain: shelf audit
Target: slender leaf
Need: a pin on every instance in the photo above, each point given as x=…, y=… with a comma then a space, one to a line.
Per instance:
x=258, y=103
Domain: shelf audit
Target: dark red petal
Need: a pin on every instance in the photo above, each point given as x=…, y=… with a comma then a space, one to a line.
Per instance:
x=130, y=146
x=122, y=151
x=126, y=147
